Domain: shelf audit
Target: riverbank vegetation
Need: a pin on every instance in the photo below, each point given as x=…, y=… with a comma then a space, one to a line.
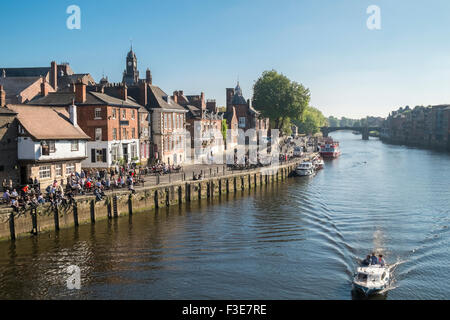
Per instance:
x=280, y=99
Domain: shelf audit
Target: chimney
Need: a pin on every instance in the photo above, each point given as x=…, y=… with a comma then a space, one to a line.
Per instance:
x=44, y=89
x=143, y=93
x=148, y=76
x=80, y=92
x=73, y=114
x=2, y=97
x=175, y=96
x=202, y=101
x=54, y=75
x=72, y=87
x=123, y=91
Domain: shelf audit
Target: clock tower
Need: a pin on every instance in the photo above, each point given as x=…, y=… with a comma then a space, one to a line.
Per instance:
x=131, y=74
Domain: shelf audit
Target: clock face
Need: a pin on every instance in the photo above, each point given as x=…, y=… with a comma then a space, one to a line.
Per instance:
x=129, y=63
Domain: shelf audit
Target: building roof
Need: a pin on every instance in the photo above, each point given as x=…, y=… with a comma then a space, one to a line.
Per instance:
x=92, y=98
x=15, y=85
x=6, y=111
x=25, y=72
x=158, y=99
x=67, y=80
x=47, y=123
x=193, y=112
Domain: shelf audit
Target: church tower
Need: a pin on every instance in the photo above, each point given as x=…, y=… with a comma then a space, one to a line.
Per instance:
x=131, y=73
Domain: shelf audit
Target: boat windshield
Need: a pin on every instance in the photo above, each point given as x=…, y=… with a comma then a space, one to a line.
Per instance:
x=362, y=277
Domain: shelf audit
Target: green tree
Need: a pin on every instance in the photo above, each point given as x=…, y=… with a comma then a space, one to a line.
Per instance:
x=279, y=99
x=311, y=122
x=224, y=129
x=333, y=121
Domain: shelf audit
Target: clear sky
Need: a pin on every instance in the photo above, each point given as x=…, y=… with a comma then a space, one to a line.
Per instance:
x=205, y=45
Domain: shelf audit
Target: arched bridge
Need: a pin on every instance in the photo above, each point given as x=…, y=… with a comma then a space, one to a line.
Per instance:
x=364, y=130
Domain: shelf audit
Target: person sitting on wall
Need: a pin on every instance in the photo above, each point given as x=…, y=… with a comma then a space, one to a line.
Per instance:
x=97, y=194
x=6, y=196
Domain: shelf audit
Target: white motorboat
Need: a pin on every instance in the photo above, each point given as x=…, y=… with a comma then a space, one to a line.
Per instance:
x=305, y=169
x=318, y=163
x=372, y=279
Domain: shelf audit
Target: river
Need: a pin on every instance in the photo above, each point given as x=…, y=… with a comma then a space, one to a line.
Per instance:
x=299, y=239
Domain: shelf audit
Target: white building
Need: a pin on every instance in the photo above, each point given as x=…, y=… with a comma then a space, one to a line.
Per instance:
x=50, y=146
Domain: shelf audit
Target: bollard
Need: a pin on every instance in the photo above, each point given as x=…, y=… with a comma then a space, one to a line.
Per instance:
x=92, y=211
x=12, y=229
x=130, y=204
x=56, y=217
x=34, y=221
x=75, y=214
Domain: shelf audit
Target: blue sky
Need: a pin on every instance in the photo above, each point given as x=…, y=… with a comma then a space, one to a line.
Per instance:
x=205, y=45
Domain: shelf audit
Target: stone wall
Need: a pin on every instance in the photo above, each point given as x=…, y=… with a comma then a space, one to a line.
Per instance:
x=86, y=210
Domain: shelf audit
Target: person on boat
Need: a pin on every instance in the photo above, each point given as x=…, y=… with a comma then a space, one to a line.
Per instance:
x=373, y=259
x=366, y=261
x=381, y=260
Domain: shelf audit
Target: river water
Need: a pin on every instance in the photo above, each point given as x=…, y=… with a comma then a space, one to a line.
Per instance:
x=299, y=239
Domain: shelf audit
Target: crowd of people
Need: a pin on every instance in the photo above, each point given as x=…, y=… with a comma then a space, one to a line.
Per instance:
x=93, y=181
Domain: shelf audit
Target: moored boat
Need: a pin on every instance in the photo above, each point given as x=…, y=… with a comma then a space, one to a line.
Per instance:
x=329, y=149
x=318, y=163
x=305, y=169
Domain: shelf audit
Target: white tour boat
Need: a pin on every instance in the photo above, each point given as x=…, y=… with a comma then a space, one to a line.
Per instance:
x=305, y=169
x=371, y=279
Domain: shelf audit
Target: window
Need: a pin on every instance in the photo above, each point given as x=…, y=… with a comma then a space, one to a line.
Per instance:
x=70, y=168
x=98, y=113
x=132, y=114
x=74, y=145
x=124, y=114
x=124, y=134
x=114, y=133
x=133, y=151
x=98, y=155
x=114, y=153
x=241, y=122
x=58, y=170
x=44, y=172
x=51, y=146
x=114, y=113
x=98, y=134
x=165, y=121
x=133, y=133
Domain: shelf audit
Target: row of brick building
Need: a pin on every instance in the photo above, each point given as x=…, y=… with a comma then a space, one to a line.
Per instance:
x=54, y=121
x=421, y=126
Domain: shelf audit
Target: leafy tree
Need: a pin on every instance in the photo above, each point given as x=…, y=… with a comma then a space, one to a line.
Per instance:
x=311, y=122
x=224, y=129
x=279, y=98
x=333, y=121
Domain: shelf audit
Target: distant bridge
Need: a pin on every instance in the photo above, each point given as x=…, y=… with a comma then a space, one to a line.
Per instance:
x=364, y=130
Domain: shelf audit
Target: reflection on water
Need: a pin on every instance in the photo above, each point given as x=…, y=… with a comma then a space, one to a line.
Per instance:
x=300, y=239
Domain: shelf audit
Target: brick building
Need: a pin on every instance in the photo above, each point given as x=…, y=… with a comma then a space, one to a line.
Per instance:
x=203, y=122
x=247, y=116
x=8, y=142
x=110, y=122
